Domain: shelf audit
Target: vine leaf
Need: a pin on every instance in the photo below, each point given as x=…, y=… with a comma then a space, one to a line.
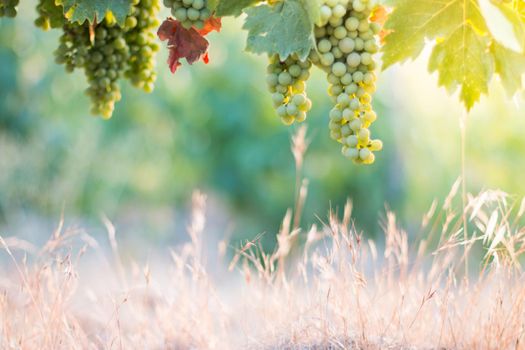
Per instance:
x=284, y=28
x=91, y=10
x=230, y=7
x=462, y=59
x=510, y=65
x=313, y=7
x=465, y=55
x=462, y=34
x=182, y=43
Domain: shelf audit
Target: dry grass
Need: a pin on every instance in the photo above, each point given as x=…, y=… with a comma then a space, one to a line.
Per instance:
x=336, y=290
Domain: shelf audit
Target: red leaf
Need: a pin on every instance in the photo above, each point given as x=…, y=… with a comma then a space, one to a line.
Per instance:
x=182, y=43
x=211, y=24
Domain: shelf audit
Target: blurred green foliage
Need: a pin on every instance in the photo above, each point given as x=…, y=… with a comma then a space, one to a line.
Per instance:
x=213, y=127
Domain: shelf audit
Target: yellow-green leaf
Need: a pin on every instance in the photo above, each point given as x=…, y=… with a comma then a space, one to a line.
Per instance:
x=462, y=59
x=459, y=31
x=510, y=66
x=414, y=21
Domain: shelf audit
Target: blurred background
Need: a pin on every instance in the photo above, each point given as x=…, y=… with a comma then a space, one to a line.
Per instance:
x=212, y=127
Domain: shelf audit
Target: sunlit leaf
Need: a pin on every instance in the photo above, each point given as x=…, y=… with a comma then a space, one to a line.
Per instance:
x=285, y=28
x=91, y=10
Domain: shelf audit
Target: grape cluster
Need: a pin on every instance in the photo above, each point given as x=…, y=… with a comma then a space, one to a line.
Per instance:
x=107, y=51
x=49, y=15
x=191, y=13
x=140, y=37
x=8, y=8
x=346, y=42
x=105, y=62
x=287, y=82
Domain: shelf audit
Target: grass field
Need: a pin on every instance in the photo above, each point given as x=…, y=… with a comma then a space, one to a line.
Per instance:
x=324, y=287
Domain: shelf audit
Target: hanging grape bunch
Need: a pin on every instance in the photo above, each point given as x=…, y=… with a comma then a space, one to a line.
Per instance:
x=106, y=51
x=105, y=63
x=287, y=82
x=190, y=13
x=8, y=8
x=140, y=37
x=103, y=59
x=346, y=42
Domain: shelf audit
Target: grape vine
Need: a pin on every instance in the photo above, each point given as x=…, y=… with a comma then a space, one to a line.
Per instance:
x=115, y=40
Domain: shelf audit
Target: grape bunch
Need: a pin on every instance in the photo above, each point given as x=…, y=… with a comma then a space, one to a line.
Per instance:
x=8, y=8
x=191, y=13
x=106, y=51
x=103, y=60
x=287, y=82
x=49, y=15
x=105, y=63
x=346, y=42
x=140, y=36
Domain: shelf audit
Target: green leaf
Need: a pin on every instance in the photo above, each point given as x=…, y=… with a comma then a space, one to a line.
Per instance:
x=230, y=7
x=413, y=21
x=461, y=59
x=510, y=66
x=91, y=10
x=461, y=56
x=285, y=28
x=212, y=4
x=313, y=7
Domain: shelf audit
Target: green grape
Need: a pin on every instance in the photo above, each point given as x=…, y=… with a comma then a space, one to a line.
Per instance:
x=140, y=36
x=354, y=59
x=8, y=8
x=191, y=13
x=50, y=15
x=346, y=42
x=347, y=45
x=339, y=69
x=324, y=46
x=286, y=81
